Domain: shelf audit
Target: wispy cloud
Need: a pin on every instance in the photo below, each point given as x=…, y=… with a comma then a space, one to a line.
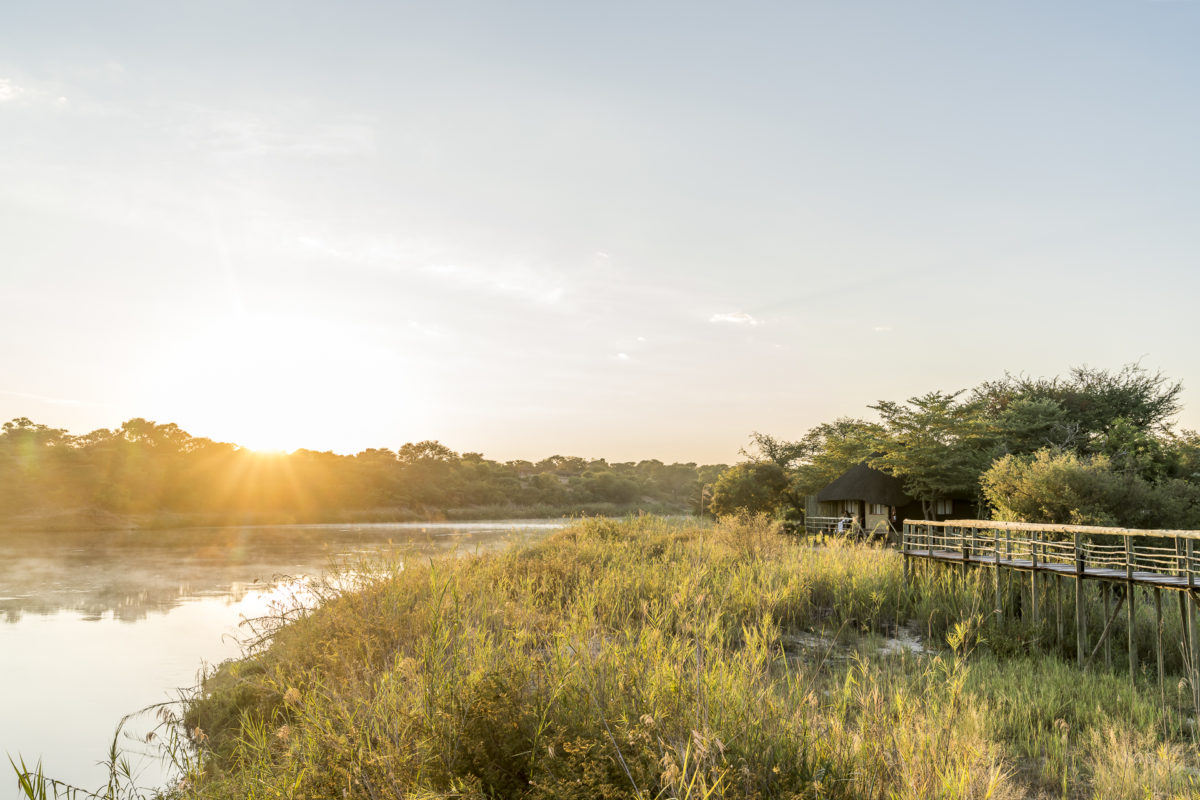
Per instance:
x=57, y=401
x=735, y=318
x=427, y=331
x=251, y=137
x=511, y=277
x=513, y=280
x=14, y=94
x=9, y=91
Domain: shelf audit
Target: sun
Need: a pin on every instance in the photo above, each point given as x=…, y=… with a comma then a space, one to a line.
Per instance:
x=277, y=383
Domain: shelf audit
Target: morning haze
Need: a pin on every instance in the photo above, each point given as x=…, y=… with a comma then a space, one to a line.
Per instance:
x=547, y=400
x=616, y=231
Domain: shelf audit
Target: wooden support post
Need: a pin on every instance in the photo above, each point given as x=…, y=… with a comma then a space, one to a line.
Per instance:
x=1058, y=579
x=1104, y=632
x=1183, y=626
x=1158, y=631
x=1130, y=611
x=966, y=551
x=1080, y=633
x=1191, y=624
x=1008, y=575
x=1033, y=580
x=1105, y=593
x=999, y=608
x=904, y=550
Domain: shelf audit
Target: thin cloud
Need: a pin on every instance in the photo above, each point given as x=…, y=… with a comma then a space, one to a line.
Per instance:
x=57, y=401
x=513, y=278
x=14, y=94
x=518, y=282
x=735, y=318
x=426, y=331
x=248, y=137
x=9, y=91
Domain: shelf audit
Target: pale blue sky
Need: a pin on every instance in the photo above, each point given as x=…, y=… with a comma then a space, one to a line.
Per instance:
x=615, y=230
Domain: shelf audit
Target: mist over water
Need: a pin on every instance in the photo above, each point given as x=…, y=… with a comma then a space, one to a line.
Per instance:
x=95, y=625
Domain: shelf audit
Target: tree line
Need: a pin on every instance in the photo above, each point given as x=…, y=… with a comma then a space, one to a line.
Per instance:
x=1095, y=447
x=147, y=468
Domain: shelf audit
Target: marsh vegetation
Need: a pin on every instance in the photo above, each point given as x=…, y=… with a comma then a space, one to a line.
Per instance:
x=667, y=659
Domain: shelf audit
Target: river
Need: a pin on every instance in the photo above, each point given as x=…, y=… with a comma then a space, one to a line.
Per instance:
x=95, y=625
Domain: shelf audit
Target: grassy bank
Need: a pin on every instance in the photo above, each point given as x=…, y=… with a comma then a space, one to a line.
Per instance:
x=654, y=659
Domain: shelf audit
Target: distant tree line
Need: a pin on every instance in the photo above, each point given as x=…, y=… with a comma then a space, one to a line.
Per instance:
x=1094, y=447
x=146, y=468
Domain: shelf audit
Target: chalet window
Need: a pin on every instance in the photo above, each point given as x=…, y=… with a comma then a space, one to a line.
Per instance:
x=850, y=507
x=878, y=509
x=943, y=507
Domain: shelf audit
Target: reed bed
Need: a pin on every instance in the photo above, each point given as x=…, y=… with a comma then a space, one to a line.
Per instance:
x=655, y=658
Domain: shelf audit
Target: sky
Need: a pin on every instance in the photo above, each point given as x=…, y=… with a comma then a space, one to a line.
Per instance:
x=618, y=230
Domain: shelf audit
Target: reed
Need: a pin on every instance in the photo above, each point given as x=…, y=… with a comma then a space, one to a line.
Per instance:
x=657, y=658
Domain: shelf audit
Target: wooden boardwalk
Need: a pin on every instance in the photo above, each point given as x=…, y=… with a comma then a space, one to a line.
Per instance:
x=1069, y=570
x=1120, y=561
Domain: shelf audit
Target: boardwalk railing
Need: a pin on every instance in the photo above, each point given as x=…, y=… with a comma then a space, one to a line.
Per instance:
x=826, y=526
x=1121, y=557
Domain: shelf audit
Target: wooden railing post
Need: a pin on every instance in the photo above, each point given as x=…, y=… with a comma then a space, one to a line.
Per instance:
x=904, y=550
x=1130, y=611
x=1080, y=633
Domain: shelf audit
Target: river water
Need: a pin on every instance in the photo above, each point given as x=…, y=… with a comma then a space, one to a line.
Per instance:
x=96, y=625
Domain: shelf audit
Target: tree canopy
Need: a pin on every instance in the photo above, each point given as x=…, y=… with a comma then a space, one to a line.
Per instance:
x=1095, y=445
x=147, y=468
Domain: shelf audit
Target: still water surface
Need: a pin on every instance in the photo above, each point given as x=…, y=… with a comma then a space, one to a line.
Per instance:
x=95, y=625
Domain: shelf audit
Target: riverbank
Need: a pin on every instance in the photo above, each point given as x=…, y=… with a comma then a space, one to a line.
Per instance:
x=655, y=658
x=85, y=519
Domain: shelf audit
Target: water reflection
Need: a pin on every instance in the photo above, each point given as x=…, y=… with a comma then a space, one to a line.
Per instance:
x=104, y=623
x=130, y=574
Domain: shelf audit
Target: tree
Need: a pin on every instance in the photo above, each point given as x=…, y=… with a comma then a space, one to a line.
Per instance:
x=756, y=487
x=935, y=444
x=1092, y=399
x=1058, y=487
x=764, y=447
x=425, y=452
x=830, y=449
x=1027, y=425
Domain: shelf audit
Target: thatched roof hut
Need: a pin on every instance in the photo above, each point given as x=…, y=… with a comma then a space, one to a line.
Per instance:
x=865, y=483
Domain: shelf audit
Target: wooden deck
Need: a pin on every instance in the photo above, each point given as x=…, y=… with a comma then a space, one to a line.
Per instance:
x=1141, y=577
x=1120, y=561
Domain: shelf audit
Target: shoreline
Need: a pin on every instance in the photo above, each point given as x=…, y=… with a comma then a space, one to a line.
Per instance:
x=94, y=519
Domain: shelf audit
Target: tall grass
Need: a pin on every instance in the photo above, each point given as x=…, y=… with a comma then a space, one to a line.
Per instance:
x=653, y=658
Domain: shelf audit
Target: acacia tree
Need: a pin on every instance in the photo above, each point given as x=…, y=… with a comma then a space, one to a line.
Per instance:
x=830, y=449
x=935, y=444
x=1092, y=400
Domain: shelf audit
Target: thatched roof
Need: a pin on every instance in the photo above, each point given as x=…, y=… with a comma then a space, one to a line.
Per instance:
x=865, y=483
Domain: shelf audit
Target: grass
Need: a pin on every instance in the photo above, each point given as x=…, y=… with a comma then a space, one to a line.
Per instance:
x=655, y=658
